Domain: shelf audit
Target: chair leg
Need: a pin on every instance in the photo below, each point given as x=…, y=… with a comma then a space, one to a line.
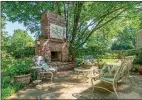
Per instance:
x=130, y=81
x=78, y=74
x=127, y=77
x=114, y=88
x=52, y=76
x=38, y=76
x=92, y=84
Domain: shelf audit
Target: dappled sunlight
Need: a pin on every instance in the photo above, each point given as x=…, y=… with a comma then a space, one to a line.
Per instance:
x=63, y=87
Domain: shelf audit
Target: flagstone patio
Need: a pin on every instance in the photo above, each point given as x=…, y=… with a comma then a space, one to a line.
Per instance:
x=67, y=86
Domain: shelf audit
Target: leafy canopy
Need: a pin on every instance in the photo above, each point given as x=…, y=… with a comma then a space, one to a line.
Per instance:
x=83, y=19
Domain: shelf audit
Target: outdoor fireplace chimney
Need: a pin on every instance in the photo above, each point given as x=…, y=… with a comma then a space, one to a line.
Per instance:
x=53, y=44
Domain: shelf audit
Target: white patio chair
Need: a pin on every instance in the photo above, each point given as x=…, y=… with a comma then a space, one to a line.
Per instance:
x=130, y=60
x=43, y=68
x=119, y=74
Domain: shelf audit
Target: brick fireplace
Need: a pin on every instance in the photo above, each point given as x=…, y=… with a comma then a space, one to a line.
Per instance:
x=56, y=56
x=53, y=50
x=52, y=44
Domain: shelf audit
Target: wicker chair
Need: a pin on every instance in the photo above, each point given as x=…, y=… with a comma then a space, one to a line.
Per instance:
x=43, y=68
x=119, y=74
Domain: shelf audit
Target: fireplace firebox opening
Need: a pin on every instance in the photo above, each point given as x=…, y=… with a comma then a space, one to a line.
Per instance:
x=55, y=55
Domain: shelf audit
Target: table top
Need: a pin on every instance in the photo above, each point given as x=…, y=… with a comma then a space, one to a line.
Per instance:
x=85, y=69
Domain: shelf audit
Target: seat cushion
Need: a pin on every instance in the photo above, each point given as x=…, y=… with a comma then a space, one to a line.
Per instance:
x=107, y=79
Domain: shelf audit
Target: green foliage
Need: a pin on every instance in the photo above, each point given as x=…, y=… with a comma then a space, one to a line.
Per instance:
x=21, y=43
x=7, y=92
x=138, y=59
x=10, y=68
x=79, y=61
x=7, y=61
x=6, y=80
x=125, y=40
x=130, y=52
x=133, y=52
x=96, y=46
x=20, y=67
x=26, y=52
x=10, y=89
x=137, y=66
x=83, y=18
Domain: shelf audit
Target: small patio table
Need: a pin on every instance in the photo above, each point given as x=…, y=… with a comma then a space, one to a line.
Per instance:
x=86, y=71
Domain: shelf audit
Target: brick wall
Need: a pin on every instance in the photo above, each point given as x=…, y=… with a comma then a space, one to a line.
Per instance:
x=48, y=18
x=48, y=44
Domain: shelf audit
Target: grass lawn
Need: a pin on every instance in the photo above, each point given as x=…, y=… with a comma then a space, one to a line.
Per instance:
x=109, y=60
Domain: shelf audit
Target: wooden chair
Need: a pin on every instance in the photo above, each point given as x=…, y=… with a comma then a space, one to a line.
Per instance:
x=119, y=74
x=43, y=68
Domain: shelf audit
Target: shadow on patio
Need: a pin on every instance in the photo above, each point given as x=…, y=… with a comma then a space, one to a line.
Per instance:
x=67, y=86
x=125, y=90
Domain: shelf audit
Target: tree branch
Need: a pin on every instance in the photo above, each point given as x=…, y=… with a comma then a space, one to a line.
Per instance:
x=66, y=17
x=58, y=7
x=108, y=13
x=102, y=25
x=104, y=15
x=76, y=19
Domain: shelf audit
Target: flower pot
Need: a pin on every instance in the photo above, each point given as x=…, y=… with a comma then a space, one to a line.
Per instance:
x=86, y=66
x=22, y=78
x=140, y=71
x=135, y=69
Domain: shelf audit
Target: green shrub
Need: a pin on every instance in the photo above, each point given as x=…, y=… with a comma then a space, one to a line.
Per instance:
x=138, y=59
x=130, y=52
x=6, y=80
x=33, y=75
x=79, y=61
x=7, y=92
x=11, y=89
x=26, y=52
x=17, y=86
x=7, y=61
x=21, y=66
x=109, y=55
x=10, y=68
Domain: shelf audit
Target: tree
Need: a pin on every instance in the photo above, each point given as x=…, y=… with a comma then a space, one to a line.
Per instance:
x=19, y=43
x=125, y=40
x=4, y=36
x=83, y=18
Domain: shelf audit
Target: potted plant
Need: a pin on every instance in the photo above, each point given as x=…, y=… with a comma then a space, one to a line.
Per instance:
x=21, y=73
x=138, y=68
